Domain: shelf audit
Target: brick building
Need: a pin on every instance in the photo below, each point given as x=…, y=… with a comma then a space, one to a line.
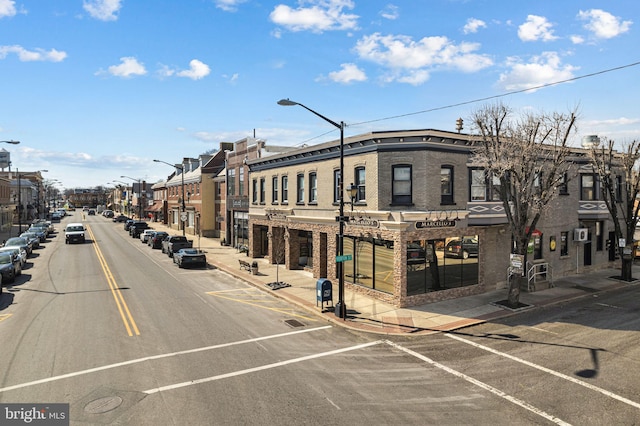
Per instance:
x=423, y=224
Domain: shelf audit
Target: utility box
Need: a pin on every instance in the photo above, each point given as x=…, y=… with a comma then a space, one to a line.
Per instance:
x=324, y=292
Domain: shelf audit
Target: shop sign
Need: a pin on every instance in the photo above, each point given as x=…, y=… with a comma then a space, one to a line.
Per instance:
x=276, y=216
x=436, y=224
x=364, y=221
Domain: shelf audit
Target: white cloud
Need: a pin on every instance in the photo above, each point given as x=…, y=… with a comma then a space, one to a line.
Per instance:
x=348, y=74
x=621, y=121
x=7, y=8
x=390, y=12
x=536, y=28
x=543, y=69
x=128, y=67
x=411, y=60
x=603, y=24
x=228, y=5
x=576, y=39
x=197, y=70
x=104, y=10
x=25, y=55
x=473, y=25
x=321, y=15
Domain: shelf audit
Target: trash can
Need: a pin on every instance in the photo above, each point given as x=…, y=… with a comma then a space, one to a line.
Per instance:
x=254, y=268
x=324, y=292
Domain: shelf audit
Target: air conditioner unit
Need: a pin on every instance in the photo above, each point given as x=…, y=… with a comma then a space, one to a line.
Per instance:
x=580, y=234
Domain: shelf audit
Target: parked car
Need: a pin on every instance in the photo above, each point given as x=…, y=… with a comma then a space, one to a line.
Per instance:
x=121, y=218
x=16, y=251
x=155, y=241
x=56, y=216
x=74, y=233
x=463, y=249
x=136, y=228
x=10, y=267
x=415, y=253
x=189, y=257
x=144, y=235
x=172, y=243
x=107, y=213
x=128, y=223
x=40, y=231
x=23, y=243
x=33, y=238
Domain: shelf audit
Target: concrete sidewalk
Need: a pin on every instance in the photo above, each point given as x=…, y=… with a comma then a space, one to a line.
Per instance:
x=370, y=315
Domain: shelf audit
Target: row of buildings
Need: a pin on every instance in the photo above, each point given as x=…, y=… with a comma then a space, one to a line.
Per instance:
x=421, y=223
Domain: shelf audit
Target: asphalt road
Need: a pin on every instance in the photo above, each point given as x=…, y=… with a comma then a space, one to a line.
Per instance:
x=125, y=337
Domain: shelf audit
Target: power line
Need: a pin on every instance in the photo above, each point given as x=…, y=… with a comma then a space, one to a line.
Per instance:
x=542, y=86
x=487, y=98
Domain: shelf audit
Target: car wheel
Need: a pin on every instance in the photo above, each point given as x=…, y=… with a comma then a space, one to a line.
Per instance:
x=465, y=254
x=12, y=276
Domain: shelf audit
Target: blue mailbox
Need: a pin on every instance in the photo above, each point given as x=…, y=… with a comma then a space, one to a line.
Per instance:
x=324, y=292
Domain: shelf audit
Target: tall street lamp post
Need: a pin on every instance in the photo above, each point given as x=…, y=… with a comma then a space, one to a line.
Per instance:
x=139, y=195
x=340, y=309
x=182, y=205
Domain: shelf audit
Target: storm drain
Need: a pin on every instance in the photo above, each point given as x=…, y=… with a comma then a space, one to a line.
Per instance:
x=102, y=405
x=294, y=323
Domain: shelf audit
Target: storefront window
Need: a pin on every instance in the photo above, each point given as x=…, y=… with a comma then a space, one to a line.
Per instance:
x=441, y=264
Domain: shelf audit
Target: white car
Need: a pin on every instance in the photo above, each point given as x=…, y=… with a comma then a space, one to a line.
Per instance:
x=16, y=251
x=144, y=236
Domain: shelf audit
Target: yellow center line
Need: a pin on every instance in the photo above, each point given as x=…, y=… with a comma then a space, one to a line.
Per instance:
x=125, y=314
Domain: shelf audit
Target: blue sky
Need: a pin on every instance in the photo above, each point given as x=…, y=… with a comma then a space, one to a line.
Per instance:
x=96, y=89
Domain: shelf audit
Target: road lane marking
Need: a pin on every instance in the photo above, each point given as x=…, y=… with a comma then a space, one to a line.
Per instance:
x=548, y=370
x=125, y=314
x=4, y=316
x=260, y=368
x=482, y=385
x=286, y=311
x=156, y=357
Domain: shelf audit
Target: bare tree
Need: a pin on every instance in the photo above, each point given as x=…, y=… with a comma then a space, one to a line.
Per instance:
x=525, y=160
x=619, y=176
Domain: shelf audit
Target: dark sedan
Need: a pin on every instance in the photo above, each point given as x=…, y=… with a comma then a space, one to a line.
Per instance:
x=121, y=218
x=189, y=257
x=23, y=243
x=33, y=238
x=462, y=249
x=10, y=267
x=155, y=241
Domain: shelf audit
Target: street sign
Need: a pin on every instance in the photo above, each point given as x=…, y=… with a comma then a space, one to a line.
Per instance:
x=343, y=258
x=183, y=217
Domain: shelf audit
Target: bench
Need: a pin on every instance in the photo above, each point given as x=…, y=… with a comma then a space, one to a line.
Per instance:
x=244, y=265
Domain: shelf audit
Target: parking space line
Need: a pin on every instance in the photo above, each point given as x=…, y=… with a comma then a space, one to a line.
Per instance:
x=548, y=370
x=287, y=311
x=4, y=316
x=161, y=356
x=260, y=368
x=482, y=385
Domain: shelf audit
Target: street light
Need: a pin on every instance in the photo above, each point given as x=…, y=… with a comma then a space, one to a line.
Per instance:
x=340, y=309
x=184, y=208
x=139, y=195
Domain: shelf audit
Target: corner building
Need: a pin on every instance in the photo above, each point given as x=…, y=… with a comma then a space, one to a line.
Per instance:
x=423, y=226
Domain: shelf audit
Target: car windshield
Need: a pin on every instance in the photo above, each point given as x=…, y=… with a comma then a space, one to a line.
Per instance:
x=75, y=228
x=189, y=251
x=15, y=241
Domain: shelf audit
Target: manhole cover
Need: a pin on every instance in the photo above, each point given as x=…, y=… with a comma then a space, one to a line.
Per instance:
x=294, y=323
x=103, y=405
